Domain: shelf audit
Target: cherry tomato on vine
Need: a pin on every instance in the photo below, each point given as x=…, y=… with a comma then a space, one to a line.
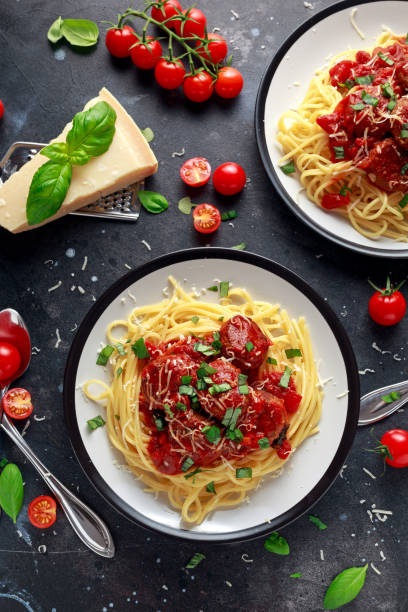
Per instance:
x=10, y=358
x=217, y=48
x=387, y=306
x=394, y=448
x=42, y=511
x=167, y=9
x=1, y=109
x=196, y=171
x=119, y=41
x=193, y=26
x=229, y=82
x=229, y=178
x=198, y=87
x=169, y=75
x=146, y=56
x=284, y=450
x=207, y=218
x=17, y=403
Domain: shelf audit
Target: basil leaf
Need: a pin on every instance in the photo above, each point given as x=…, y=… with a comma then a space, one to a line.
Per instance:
x=277, y=544
x=185, y=205
x=104, y=354
x=55, y=34
x=316, y=521
x=213, y=434
x=296, y=575
x=95, y=422
x=57, y=152
x=140, y=349
x=239, y=247
x=345, y=587
x=153, y=202
x=244, y=472
x=92, y=132
x=148, y=134
x=11, y=490
x=80, y=32
x=288, y=168
x=47, y=191
x=195, y=560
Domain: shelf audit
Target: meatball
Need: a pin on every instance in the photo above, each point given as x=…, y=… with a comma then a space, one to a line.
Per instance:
x=162, y=376
x=189, y=439
x=289, y=394
x=225, y=372
x=374, y=118
x=383, y=166
x=400, y=123
x=217, y=405
x=402, y=75
x=242, y=339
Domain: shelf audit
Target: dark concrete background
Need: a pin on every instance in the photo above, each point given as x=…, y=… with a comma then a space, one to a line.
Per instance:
x=42, y=87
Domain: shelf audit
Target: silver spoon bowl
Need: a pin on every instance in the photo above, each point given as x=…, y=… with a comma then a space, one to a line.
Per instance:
x=373, y=408
x=87, y=525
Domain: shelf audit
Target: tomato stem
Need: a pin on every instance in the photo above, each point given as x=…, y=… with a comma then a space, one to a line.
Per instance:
x=389, y=289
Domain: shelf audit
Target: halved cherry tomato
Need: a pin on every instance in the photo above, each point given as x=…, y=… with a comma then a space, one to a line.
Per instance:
x=10, y=359
x=119, y=40
x=1, y=109
x=207, y=218
x=229, y=82
x=334, y=200
x=169, y=75
x=165, y=10
x=146, y=56
x=198, y=87
x=394, y=448
x=284, y=450
x=193, y=26
x=42, y=511
x=17, y=403
x=196, y=171
x=217, y=48
x=387, y=306
x=229, y=178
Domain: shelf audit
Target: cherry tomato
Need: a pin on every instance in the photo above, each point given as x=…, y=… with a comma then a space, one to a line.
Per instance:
x=334, y=200
x=10, y=359
x=198, y=87
x=217, y=48
x=284, y=450
x=387, y=306
x=17, y=403
x=196, y=171
x=395, y=442
x=1, y=109
x=207, y=218
x=229, y=178
x=146, y=56
x=42, y=511
x=193, y=26
x=167, y=9
x=119, y=41
x=169, y=75
x=229, y=82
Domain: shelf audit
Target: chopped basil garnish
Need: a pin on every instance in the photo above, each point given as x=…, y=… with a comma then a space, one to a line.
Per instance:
x=338, y=152
x=193, y=473
x=245, y=472
x=243, y=389
x=3, y=463
x=285, y=378
x=242, y=378
x=277, y=544
x=349, y=83
x=234, y=434
x=120, y=348
x=212, y=434
x=358, y=107
x=239, y=247
x=140, y=350
x=205, y=349
x=219, y=388
x=404, y=131
x=201, y=385
x=367, y=79
x=249, y=346
x=391, y=397
x=195, y=319
x=168, y=411
x=263, y=443
x=231, y=214
x=404, y=201
x=404, y=169
x=187, y=390
x=272, y=360
x=119, y=372
x=117, y=417
x=224, y=288
x=290, y=353
x=296, y=575
x=289, y=168
x=231, y=417
x=385, y=58
x=213, y=288
x=159, y=422
x=221, y=318
x=387, y=90
x=391, y=105
x=181, y=406
x=211, y=488
x=195, y=560
x=104, y=355
x=345, y=587
x=316, y=521
x=187, y=464
x=95, y=422
x=186, y=380
x=216, y=342
x=344, y=190
x=368, y=99
x=205, y=370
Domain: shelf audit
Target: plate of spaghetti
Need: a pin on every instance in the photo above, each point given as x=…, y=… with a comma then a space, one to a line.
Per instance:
x=332, y=125
x=211, y=394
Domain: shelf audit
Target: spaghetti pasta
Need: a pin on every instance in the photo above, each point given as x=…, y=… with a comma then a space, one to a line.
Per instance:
x=372, y=210
x=199, y=493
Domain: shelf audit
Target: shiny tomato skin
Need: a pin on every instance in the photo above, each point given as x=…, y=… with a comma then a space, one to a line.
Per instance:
x=142, y=57
x=168, y=9
x=1, y=109
x=193, y=26
x=207, y=218
x=387, y=309
x=198, y=87
x=217, y=48
x=42, y=511
x=169, y=75
x=17, y=403
x=229, y=178
x=10, y=360
x=195, y=172
x=334, y=200
x=396, y=441
x=229, y=82
x=119, y=40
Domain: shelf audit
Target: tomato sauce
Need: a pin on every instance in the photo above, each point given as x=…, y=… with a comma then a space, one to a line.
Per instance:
x=200, y=404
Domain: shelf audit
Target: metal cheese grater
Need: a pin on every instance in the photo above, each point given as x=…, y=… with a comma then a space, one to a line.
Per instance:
x=123, y=205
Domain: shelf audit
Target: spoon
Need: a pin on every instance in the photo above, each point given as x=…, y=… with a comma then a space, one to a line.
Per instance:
x=87, y=525
x=373, y=408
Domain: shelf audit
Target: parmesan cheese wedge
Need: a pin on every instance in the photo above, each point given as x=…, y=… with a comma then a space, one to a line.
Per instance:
x=128, y=160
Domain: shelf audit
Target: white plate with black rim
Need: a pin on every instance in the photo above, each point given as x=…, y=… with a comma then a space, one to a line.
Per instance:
x=284, y=85
x=316, y=463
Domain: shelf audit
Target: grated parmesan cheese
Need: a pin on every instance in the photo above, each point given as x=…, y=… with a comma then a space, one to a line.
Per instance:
x=58, y=342
x=181, y=153
x=321, y=555
x=364, y=372
x=244, y=557
x=340, y=395
x=85, y=263
x=55, y=286
x=377, y=571
x=147, y=245
x=369, y=473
